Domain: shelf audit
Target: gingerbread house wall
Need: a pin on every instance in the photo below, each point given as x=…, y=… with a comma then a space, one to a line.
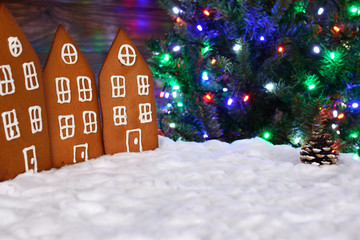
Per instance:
x=72, y=103
x=24, y=134
x=127, y=99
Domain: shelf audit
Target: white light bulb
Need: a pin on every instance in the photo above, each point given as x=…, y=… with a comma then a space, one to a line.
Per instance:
x=335, y=113
x=172, y=125
x=333, y=126
x=316, y=49
x=176, y=10
x=237, y=47
x=320, y=11
x=225, y=89
x=270, y=87
x=176, y=48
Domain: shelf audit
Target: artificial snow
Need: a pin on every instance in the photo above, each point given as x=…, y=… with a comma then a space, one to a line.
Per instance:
x=247, y=190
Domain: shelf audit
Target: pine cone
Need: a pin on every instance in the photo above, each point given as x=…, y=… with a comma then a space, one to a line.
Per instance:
x=320, y=149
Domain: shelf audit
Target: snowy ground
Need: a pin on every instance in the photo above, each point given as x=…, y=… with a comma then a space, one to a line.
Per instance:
x=246, y=190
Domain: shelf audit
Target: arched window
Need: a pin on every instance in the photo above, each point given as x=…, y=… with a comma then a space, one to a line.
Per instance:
x=90, y=123
x=7, y=85
x=15, y=46
x=63, y=90
x=118, y=86
x=120, y=117
x=67, y=126
x=31, y=80
x=84, y=88
x=69, y=54
x=35, y=119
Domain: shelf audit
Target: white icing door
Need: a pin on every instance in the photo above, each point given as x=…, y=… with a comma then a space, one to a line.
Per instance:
x=80, y=153
x=30, y=158
x=133, y=140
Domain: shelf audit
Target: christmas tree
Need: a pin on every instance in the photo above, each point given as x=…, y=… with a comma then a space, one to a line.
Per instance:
x=234, y=69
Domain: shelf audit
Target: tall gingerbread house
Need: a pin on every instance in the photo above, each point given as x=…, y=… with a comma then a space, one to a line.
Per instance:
x=24, y=137
x=72, y=103
x=127, y=99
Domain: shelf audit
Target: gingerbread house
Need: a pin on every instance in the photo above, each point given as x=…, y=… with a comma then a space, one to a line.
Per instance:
x=24, y=133
x=127, y=99
x=72, y=103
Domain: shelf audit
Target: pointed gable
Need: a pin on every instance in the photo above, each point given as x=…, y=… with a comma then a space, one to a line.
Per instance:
x=23, y=124
x=72, y=103
x=127, y=99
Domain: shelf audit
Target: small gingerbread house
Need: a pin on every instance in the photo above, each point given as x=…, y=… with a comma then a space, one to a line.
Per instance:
x=72, y=103
x=127, y=99
x=24, y=137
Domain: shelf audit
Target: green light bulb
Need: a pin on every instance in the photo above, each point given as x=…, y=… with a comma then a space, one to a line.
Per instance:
x=267, y=135
x=332, y=55
x=356, y=157
x=180, y=104
x=312, y=87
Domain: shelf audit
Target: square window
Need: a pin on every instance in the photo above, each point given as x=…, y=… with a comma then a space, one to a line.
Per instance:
x=90, y=122
x=31, y=80
x=11, y=125
x=120, y=117
x=66, y=126
x=145, y=112
x=35, y=119
x=84, y=88
x=143, y=84
x=118, y=86
x=63, y=90
x=7, y=85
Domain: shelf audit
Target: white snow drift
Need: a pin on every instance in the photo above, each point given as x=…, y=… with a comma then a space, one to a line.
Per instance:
x=247, y=190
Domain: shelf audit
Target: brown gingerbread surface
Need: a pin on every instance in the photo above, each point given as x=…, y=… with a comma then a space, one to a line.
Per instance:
x=72, y=103
x=127, y=99
x=24, y=137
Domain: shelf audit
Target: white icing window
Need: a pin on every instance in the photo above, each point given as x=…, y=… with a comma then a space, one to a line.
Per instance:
x=120, y=117
x=31, y=80
x=80, y=153
x=84, y=88
x=127, y=55
x=63, y=90
x=7, y=85
x=35, y=119
x=90, y=123
x=143, y=84
x=118, y=86
x=145, y=112
x=15, y=46
x=69, y=54
x=11, y=125
x=30, y=158
x=67, y=126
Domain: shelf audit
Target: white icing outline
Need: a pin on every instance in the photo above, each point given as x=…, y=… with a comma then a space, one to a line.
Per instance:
x=119, y=118
x=91, y=124
x=143, y=84
x=10, y=134
x=35, y=119
x=63, y=91
x=145, y=113
x=118, y=86
x=14, y=46
x=33, y=160
x=31, y=80
x=8, y=82
x=127, y=139
x=82, y=82
x=69, y=127
x=125, y=58
x=86, y=146
x=69, y=51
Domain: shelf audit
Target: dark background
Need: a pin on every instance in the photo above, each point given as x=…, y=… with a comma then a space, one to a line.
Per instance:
x=91, y=24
